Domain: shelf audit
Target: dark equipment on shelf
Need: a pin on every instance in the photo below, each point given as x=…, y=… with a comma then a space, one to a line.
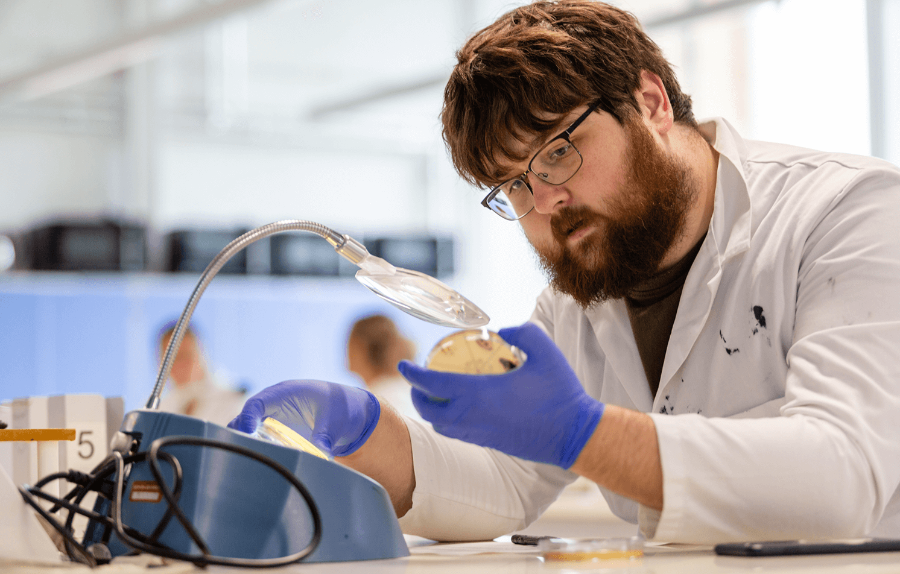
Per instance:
x=101, y=245
x=427, y=254
x=191, y=250
x=302, y=255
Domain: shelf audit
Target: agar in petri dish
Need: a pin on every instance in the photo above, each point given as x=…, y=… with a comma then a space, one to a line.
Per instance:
x=275, y=431
x=620, y=552
x=474, y=351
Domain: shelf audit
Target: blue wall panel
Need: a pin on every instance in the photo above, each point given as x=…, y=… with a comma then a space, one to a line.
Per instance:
x=98, y=333
x=18, y=345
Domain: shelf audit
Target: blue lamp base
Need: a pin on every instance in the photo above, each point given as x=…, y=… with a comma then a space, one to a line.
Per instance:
x=243, y=509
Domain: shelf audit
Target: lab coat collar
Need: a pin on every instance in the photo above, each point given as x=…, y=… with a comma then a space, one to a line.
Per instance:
x=612, y=327
x=730, y=225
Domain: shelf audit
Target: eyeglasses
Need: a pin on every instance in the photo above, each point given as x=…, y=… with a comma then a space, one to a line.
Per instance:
x=555, y=163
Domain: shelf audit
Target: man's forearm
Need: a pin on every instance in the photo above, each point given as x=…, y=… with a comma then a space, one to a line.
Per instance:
x=623, y=456
x=387, y=458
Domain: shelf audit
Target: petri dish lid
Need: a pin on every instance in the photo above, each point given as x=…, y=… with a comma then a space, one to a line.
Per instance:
x=424, y=297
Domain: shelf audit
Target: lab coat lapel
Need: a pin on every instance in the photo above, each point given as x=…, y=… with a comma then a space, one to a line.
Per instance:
x=613, y=331
x=728, y=237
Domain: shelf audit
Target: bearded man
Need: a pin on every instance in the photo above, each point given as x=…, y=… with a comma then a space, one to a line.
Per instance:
x=717, y=348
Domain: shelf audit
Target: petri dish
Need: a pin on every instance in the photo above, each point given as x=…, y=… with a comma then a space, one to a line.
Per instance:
x=474, y=352
x=275, y=431
x=601, y=552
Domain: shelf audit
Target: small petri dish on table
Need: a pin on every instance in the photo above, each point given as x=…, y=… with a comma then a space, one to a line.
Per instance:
x=593, y=553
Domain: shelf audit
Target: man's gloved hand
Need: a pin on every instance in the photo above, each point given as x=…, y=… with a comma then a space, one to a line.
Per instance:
x=337, y=418
x=538, y=411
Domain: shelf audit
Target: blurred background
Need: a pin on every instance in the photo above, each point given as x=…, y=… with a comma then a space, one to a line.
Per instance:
x=137, y=137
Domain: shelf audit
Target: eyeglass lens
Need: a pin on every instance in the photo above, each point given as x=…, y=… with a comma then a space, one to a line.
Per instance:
x=555, y=163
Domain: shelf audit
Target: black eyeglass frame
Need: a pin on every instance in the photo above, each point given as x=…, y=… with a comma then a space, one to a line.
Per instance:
x=566, y=135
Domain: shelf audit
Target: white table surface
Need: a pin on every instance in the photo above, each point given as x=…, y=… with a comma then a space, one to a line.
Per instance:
x=579, y=513
x=503, y=557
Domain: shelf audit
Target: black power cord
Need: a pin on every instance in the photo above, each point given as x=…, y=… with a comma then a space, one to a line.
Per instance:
x=98, y=480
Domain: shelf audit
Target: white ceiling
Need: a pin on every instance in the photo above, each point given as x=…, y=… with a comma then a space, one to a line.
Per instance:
x=270, y=66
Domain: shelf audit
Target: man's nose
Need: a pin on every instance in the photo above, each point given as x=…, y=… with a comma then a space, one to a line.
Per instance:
x=547, y=197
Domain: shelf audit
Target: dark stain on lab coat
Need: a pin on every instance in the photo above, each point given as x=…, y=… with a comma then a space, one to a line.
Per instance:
x=760, y=318
x=759, y=322
x=727, y=350
x=668, y=407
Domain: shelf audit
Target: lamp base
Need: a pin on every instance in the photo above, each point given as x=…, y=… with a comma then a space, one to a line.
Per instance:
x=244, y=509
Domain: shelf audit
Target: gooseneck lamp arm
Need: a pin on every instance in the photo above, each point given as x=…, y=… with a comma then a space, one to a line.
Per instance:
x=415, y=293
x=343, y=244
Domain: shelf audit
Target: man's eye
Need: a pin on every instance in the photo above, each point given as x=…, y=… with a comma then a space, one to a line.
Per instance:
x=557, y=151
x=516, y=185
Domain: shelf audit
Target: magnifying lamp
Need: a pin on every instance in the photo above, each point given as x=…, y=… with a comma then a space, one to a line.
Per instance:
x=231, y=499
x=420, y=295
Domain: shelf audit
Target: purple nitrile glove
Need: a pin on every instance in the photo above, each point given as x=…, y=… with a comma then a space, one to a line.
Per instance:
x=538, y=411
x=337, y=418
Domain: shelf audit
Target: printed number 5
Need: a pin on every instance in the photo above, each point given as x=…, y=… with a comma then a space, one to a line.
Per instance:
x=89, y=444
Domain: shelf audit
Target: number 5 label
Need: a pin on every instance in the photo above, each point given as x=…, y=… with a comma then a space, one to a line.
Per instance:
x=84, y=441
x=87, y=415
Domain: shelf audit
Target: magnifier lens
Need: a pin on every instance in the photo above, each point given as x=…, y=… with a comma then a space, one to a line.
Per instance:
x=424, y=297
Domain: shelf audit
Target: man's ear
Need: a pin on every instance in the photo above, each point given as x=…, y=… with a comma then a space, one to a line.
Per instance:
x=653, y=101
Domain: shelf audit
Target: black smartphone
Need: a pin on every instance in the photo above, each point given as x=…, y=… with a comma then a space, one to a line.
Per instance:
x=794, y=547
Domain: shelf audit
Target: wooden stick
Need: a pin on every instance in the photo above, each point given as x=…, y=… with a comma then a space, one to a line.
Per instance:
x=36, y=434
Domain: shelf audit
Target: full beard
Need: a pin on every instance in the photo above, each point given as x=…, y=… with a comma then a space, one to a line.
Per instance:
x=626, y=247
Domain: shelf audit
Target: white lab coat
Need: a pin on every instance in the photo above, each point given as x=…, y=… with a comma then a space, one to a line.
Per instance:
x=782, y=370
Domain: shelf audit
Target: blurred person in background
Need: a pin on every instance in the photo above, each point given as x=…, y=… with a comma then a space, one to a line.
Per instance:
x=374, y=348
x=193, y=388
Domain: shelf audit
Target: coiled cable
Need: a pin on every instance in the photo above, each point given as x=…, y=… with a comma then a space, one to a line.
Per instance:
x=120, y=465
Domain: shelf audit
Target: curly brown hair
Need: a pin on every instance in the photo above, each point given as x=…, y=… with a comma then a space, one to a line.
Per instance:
x=516, y=79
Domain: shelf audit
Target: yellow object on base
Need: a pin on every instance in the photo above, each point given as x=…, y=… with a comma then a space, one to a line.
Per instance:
x=36, y=434
x=279, y=433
